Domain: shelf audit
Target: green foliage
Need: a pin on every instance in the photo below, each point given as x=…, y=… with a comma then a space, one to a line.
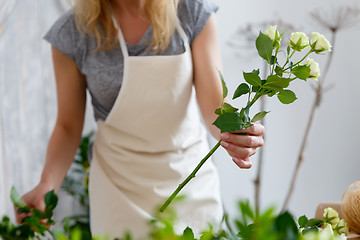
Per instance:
x=241, y=90
x=34, y=224
x=276, y=83
x=76, y=185
x=251, y=225
x=264, y=46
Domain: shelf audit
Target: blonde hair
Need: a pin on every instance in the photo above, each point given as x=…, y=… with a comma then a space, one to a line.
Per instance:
x=94, y=17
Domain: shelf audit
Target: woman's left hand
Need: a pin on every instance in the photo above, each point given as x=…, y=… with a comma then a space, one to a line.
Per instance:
x=241, y=147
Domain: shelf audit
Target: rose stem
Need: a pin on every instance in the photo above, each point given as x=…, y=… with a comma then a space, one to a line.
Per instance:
x=192, y=175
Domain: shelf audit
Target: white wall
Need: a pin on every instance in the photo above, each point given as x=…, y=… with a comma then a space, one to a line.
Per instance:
x=331, y=160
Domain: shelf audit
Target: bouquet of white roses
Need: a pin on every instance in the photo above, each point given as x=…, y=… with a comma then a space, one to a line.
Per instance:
x=332, y=228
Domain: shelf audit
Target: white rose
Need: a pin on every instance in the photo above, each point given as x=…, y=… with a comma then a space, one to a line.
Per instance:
x=315, y=74
x=272, y=32
x=299, y=41
x=341, y=227
x=319, y=43
x=330, y=215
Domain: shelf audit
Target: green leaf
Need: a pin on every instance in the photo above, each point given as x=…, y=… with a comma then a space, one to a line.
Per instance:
x=259, y=116
x=244, y=114
x=276, y=81
x=225, y=90
x=302, y=221
x=252, y=77
x=17, y=200
x=301, y=72
x=39, y=214
x=76, y=234
x=264, y=45
x=227, y=108
x=313, y=229
x=246, y=210
x=188, y=234
x=286, y=226
x=51, y=201
x=314, y=222
x=229, y=122
x=286, y=96
x=241, y=90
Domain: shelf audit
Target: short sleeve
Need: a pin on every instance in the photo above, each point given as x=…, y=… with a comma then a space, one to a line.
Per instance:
x=65, y=37
x=194, y=14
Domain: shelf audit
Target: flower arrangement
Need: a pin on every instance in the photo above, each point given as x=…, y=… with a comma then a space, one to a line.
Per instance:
x=281, y=73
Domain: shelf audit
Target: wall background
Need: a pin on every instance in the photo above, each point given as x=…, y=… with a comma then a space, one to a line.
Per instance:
x=331, y=161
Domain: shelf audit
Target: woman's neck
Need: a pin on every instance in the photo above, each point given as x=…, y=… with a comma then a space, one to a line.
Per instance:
x=134, y=7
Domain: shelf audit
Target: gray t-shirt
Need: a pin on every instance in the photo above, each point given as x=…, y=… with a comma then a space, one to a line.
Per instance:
x=104, y=69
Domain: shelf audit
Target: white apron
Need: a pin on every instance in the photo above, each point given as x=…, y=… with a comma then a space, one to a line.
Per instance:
x=151, y=140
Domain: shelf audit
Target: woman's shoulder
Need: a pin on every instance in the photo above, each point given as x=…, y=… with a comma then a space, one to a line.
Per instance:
x=65, y=36
x=64, y=23
x=194, y=14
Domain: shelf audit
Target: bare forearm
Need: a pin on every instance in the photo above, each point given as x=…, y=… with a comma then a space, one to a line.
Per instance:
x=60, y=154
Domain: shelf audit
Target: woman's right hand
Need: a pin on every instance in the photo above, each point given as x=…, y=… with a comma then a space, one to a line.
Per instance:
x=34, y=199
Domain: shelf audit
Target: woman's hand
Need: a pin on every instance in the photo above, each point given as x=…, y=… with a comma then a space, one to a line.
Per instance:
x=241, y=147
x=34, y=199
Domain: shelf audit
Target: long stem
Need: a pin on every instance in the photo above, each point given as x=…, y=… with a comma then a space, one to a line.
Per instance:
x=319, y=93
x=191, y=176
x=257, y=180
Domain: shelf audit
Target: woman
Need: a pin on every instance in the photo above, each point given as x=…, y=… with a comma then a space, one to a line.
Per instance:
x=140, y=60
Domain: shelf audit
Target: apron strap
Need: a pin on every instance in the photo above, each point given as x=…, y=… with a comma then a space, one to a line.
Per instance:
x=123, y=47
x=183, y=35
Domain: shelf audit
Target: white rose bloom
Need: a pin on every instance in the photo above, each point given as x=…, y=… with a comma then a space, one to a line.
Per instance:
x=341, y=227
x=299, y=41
x=315, y=74
x=342, y=237
x=319, y=43
x=272, y=32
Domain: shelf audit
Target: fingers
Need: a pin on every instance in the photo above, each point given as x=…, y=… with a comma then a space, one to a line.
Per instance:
x=242, y=146
x=245, y=164
x=249, y=141
x=255, y=130
x=33, y=201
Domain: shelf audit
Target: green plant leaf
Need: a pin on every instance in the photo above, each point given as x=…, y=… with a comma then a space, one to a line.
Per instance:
x=302, y=221
x=259, y=116
x=188, y=234
x=286, y=96
x=225, y=90
x=314, y=222
x=244, y=114
x=241, y=90
x=253, y=77
x=286, y=226
x=76, y=234
x=51, y=200
x=276, y=81
x=264, y=45
x=17, y=200
x=226, y=108
x=301, y=72
x=246, y=210
x=229, y=122
x=313, y=229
